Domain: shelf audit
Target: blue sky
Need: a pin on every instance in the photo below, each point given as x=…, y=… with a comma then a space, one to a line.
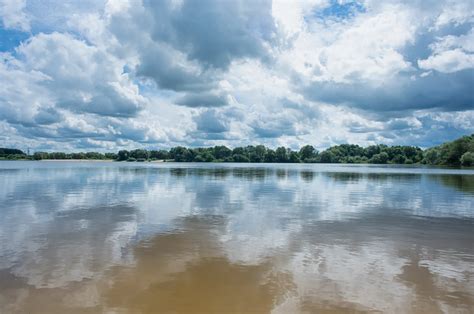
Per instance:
x=107, y=75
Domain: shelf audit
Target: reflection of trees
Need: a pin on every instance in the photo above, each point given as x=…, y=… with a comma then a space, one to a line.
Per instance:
x=344, y=176
x=357, y=176
x=251, y=173
x=394, y=177
x=464, y=183
x=307, y=176
x=222, y=173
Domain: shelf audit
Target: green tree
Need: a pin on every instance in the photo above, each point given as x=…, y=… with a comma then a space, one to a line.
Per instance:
x=40, y=155
x=238, y=151
x=123, y=155
x=80, y=155
x=371, y=150
x=159, y=154
x=94, y=155
x=139, y=154
x=260, y=152
x=327, y=157
x=381, y=158
x=4, y=152
x=221, y=152
x=307, y=153
x=181, y=154
x=110, y=156
x=281, y=154
x=399, y=159
x=240, y=158
x=430, y=156
x=294, y=157
x=450, y=153
x=467, y=159
x=204, y=156
x=270, y=155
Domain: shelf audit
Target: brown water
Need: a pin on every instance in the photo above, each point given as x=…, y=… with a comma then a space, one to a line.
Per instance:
x=214, y=238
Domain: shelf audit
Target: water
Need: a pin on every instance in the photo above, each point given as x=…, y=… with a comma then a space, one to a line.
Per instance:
x=85, y=237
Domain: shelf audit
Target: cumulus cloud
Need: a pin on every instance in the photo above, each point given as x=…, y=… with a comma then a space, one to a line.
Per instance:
x=210, y=121
x=107, y=74
x=448, y=61
x=82, y=78
x=214, y=32
x=13, y=16
x=203, y=100
x=367, y=63
x=21, y=95
x=184, y=46
x=438, y=90
x=451, y=54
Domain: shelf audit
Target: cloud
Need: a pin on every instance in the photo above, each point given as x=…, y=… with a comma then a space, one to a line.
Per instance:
x=106, y=74
x=13, y=16
x=170, y=69
x=370, y=62
x=451, y=54
x=275, y=128
x=202, y=100
x=214, y=32
x=82, y=78
x=439, y=90
x=209, y=121
x=47, y=116
x=455, y=12
x=448, y=61
x=21, y=95
x=186, y=46
x=284, y=117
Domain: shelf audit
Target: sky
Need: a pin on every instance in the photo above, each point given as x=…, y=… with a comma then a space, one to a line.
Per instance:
x=109, y=75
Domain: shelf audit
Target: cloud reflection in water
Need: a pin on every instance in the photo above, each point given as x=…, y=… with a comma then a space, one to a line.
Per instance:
x=220, y=238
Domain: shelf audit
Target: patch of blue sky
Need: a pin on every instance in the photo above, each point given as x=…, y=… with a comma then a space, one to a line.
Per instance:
x=340, y=10
x=11, y=38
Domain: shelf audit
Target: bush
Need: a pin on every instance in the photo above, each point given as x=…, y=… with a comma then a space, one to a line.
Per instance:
x=381, y=158
x=240, y=158
x=467, y=159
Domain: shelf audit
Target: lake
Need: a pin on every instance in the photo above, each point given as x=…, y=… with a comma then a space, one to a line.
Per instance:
x=94, y=237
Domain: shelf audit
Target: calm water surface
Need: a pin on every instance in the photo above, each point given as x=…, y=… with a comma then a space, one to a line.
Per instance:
x=85, y=237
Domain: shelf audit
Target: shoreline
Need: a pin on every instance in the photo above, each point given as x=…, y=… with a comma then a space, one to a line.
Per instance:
x=83, y=160
x=414, y=165
x=74, y=160
x=97, y=160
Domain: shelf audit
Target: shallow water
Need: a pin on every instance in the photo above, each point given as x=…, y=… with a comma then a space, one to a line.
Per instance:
x=91, y=237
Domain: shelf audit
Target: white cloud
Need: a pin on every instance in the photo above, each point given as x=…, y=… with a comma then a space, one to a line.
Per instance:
x=13, y=16
x=290, y=16
x=464, y=42
x=448, y=61
x=456, y=12
x=451, y=54
x=137, y=73
x=366, y=48
x=83, y=78
x=21, y=96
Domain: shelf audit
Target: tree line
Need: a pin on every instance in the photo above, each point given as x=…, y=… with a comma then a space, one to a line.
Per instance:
x=456, y=153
